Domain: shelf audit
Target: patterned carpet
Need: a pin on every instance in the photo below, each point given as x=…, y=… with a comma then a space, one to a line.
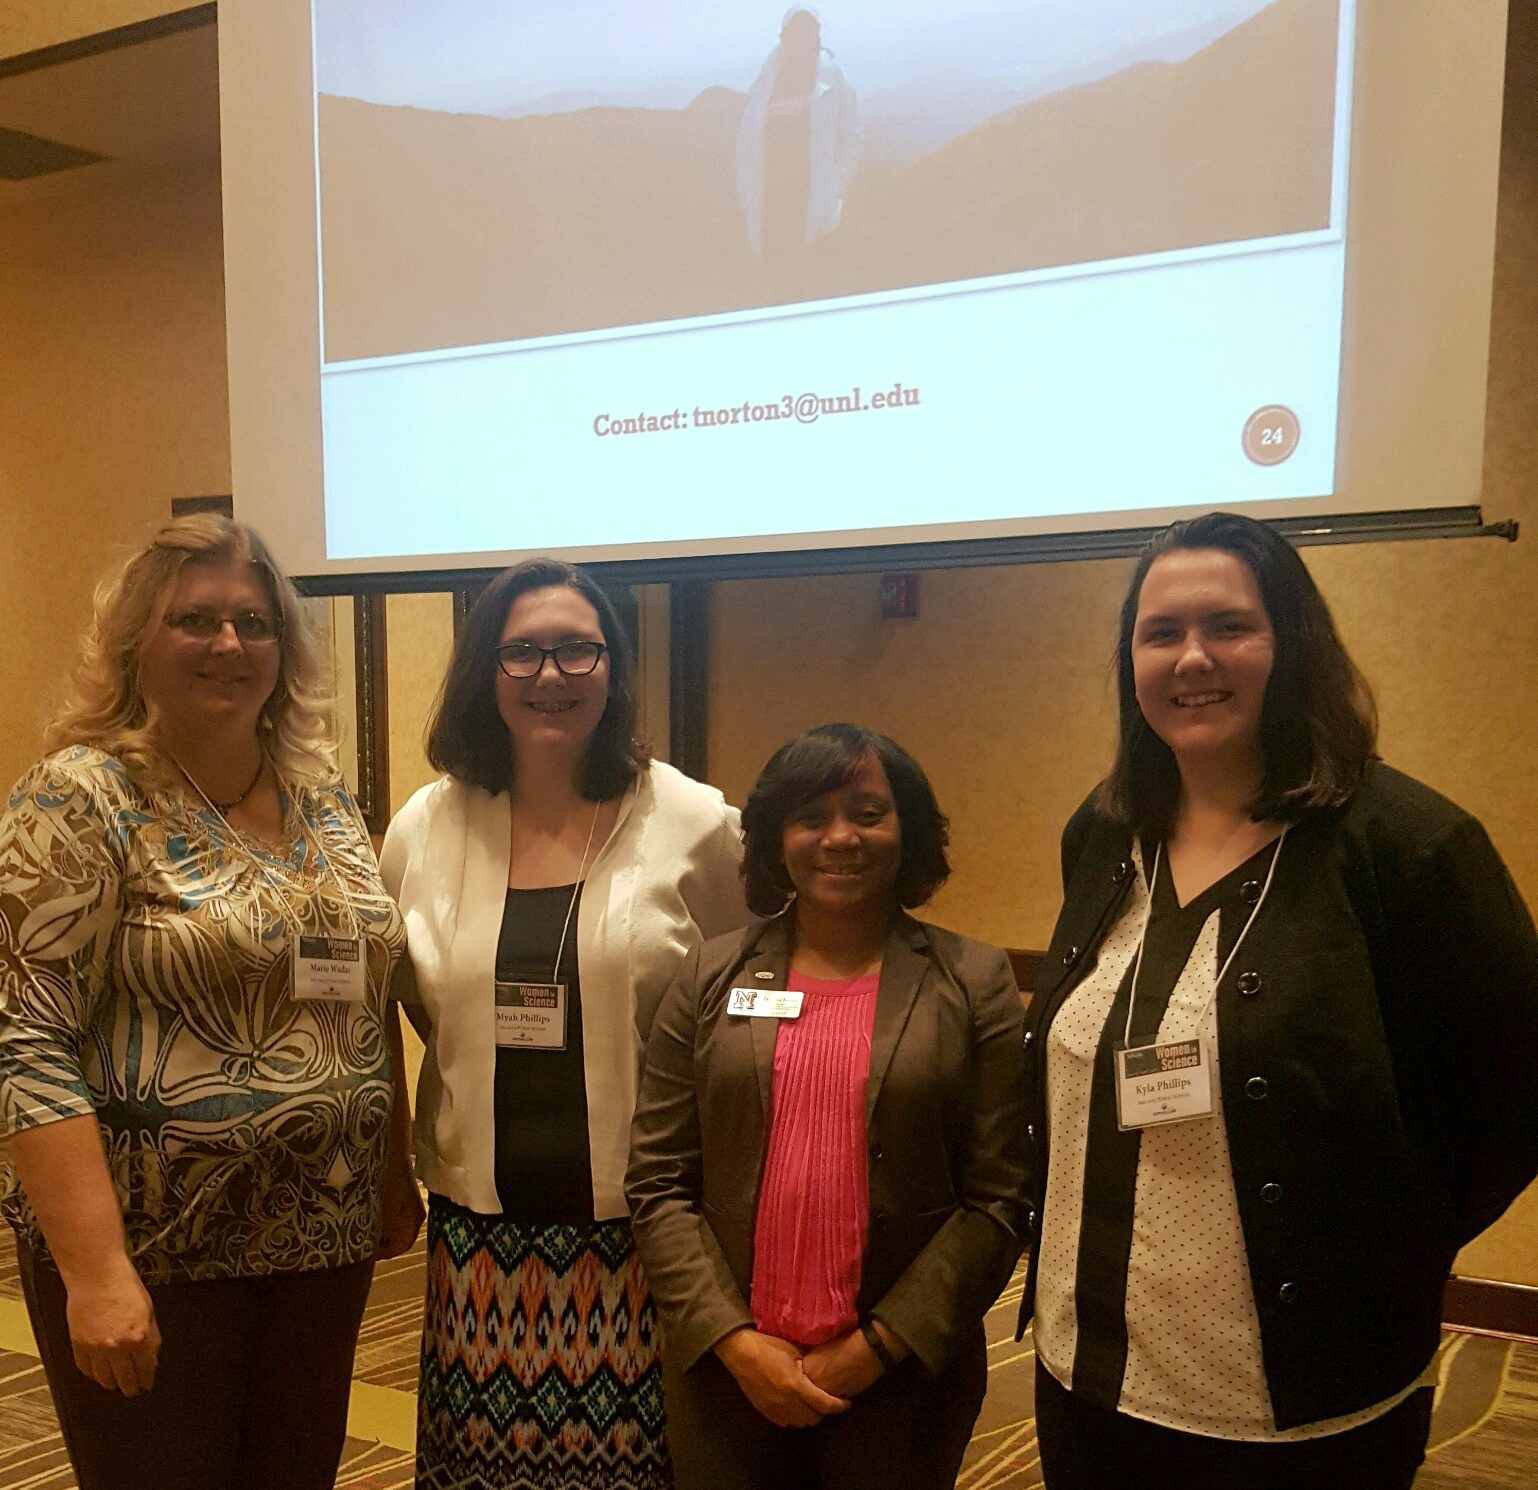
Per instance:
x=1484, y=1437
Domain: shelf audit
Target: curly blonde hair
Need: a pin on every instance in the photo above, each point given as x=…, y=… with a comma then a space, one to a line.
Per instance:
x=106, y=707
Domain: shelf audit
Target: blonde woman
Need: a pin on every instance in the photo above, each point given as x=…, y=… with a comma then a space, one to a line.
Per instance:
x=197, y=1082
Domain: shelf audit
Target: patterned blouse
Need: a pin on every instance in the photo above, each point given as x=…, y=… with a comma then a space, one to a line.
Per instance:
x=146, y=977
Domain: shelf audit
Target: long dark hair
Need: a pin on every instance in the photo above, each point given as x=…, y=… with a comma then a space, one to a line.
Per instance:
x=1318, y=724
x=822, y=760
x=467, y=738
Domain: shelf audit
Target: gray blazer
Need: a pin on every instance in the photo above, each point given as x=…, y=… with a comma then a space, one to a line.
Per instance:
x=944, y=1113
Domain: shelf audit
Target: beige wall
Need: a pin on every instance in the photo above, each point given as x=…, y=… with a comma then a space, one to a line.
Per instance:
x=1000, y=686
x=421, y=638
x=112, y=401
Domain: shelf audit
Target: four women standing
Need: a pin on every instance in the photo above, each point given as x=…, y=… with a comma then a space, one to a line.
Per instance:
x=1284, y=1047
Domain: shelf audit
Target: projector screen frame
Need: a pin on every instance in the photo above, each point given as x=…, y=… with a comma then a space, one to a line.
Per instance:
x=981, y=553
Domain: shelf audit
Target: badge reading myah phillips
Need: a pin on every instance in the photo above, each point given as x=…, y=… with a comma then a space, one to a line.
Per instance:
x=531, y=1016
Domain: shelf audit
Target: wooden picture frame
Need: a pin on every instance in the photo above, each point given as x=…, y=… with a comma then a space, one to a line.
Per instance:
x=371, y=662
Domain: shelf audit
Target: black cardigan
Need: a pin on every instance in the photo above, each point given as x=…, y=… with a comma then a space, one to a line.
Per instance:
x=1379, y=1053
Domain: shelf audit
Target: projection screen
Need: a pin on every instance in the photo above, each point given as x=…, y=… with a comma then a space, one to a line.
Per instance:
x=649, y=281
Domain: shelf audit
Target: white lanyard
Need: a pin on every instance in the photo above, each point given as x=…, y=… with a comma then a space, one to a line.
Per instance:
x=533, y=1016
x=576, y=890
x=1233, y=951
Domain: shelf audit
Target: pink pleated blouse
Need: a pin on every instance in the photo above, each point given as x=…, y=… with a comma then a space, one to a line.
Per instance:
x=813, y=1201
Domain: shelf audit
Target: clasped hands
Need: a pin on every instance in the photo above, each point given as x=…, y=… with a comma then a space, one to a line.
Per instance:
x=795, y=1388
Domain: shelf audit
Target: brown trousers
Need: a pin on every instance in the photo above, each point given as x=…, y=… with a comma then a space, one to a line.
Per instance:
x=250, y=1393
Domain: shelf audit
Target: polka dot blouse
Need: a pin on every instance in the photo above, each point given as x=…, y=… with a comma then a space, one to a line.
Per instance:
x=1144, y=1302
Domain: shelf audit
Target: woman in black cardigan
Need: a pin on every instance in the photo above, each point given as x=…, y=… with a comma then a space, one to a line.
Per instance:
x=1285, y=1045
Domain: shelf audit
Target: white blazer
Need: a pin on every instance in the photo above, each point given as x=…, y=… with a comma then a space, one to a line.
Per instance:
x=666, y=879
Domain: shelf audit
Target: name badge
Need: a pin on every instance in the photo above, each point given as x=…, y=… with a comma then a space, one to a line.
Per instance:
x=531, y=1016
x=330, y=970
x=764, y=1003
x=1168, y=1083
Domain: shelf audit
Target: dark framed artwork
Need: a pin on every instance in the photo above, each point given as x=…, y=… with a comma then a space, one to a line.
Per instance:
x=372, y=672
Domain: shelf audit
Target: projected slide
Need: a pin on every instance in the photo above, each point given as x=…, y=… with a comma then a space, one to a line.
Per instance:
x=601, y=274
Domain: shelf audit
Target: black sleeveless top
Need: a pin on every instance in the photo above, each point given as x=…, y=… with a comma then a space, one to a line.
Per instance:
x=544, y=1165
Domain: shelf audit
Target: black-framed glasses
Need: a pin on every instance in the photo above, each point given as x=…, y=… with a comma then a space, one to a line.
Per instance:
x=525, y=660
x=203, y=625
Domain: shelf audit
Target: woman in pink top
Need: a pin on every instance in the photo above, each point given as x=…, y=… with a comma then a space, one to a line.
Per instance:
x=827, y=1154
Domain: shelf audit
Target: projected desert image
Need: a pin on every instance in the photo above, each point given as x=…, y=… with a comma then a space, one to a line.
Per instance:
x=491, y=173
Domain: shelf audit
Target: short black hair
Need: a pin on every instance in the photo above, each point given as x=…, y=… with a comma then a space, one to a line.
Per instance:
x=1318, y=724
x=822, y=760
x=467, y=738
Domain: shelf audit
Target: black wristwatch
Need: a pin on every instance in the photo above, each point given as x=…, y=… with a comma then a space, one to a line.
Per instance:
x=877, y=1344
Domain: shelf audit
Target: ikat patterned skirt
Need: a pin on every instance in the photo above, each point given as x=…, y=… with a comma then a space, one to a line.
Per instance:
x=540, y=1359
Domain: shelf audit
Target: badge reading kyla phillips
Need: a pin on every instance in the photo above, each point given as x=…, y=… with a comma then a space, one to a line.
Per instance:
x=1166, y=1083
x=330, y=969
x=764, y=1003
x=531, y=1016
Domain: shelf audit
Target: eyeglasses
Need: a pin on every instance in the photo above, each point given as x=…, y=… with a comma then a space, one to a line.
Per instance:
x=251, y=626
x=573, y=659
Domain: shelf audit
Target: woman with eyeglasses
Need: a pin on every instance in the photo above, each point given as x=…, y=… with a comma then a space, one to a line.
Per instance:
x=1282, y=1057
x=828, y=1154
x=552, y=882
x=196, y=1072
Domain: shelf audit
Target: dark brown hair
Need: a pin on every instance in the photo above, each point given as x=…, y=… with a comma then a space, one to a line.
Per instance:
x=1318, y=724
x=822, y=760
x=467, y=738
